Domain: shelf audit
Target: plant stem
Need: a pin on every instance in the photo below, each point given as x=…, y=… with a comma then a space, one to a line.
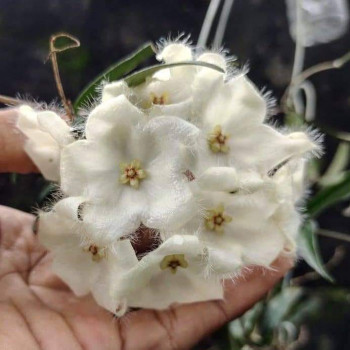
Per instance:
x=208, y=22
x=53, y=56
x=318, y=68
x=333, y=234
x=299, y=47
x=220, y=31
x=10, y=101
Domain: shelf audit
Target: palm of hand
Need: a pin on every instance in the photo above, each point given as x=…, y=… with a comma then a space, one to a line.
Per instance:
x=38, y=311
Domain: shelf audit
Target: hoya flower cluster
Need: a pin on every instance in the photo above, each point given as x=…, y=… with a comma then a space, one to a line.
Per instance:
x=177, y=184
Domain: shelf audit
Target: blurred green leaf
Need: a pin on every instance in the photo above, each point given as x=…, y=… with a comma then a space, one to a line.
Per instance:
x=115, y=72
x=242, y=328
x=336, y=169
x=286, y=333
x=310, y=307
x=294, y=119
x=237, y=333
x=14, y=177
x=279, y=307
x=251, y=317
x=329, y=196
x=309, y=250
x=139, y=77
x=313, y=170
x=48, y=189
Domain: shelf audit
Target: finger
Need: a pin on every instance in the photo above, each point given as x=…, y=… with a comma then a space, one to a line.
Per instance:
x=19, y=248
x=183, y=326
x=13, y=158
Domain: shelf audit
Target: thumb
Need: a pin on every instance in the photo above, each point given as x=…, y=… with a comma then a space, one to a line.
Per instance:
x=13, y=158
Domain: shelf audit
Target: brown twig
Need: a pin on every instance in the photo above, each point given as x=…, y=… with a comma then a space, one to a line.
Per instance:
x=10, y=101
x=14, y=102
x=53, y=56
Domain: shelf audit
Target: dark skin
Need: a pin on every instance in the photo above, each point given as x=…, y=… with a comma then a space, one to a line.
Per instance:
x=38, y=311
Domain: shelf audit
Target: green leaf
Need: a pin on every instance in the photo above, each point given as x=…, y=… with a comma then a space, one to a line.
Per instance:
x=241, y=328
x=293, y=119
x=279, y=307
x=48, y=189
x=336, y=169
x=237, y=333
x=329, y=196
x=115, y=72
x=13, y=178
x=309, y=250
x=139, y=77
x=309, y=307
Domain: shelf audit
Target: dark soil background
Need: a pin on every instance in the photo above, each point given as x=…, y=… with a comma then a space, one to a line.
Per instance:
x=257, y=34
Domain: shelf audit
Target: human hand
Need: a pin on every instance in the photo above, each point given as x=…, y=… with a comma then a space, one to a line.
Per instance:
x=38, y=311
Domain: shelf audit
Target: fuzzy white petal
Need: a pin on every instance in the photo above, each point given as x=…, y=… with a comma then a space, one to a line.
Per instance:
x=119, y=262
x=173, y=129
x=213, y=58
x=258, y=148
x=115, y=89
x=219, y=179
x=112, y=221
x=87, y=169
x=182, y=109
x=46, y=158
x=175, y=52
x=71, y=263
x=234, y=103
x=147, y=285
x=116, y=113
x=171, y=201
x=174, y=91
x=54, y=232
x=53, y=124
x=224, y=257
x=47, y=133
x=76, y=268
x=68, y=238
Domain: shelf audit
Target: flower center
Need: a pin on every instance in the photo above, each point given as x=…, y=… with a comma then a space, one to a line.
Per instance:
x=132, y=173
x=216, y=219
x=96, y=252
x=173, y=261
x=217, y=140
x=163, y=99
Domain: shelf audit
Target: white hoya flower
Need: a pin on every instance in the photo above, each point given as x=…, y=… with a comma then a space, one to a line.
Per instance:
x=186, y=153
x=231, y=115
x=173, y=273
x=82, y=264
x=168, y=91
x=47, y=134
x=253, y=224
x=130, y=170
x=227, y=179
x=237, y=229
x=289, y=190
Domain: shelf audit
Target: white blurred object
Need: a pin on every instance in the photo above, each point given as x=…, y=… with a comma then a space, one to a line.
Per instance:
x=346, y=212
x=322, y=20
